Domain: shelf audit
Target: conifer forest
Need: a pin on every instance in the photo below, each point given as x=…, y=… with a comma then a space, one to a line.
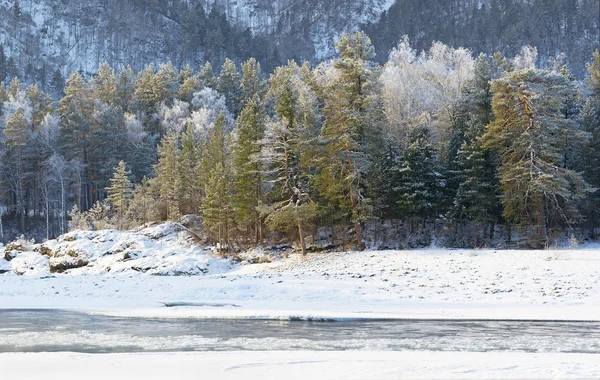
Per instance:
x=475, y=150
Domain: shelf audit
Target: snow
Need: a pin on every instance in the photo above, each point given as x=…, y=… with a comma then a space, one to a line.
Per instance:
x=300, y=365
x=135, y=273
x=160, y=272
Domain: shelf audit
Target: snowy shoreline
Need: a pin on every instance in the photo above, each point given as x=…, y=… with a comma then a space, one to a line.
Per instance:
x=427, y=284
x=138, y=273
x=301, y=365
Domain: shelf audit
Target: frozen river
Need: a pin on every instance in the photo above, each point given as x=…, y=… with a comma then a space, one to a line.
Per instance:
x=60, y=331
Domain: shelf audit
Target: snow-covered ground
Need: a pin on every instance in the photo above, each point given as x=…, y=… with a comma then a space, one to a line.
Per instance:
x=300, y=365
x=140, y=273
x=134, y=274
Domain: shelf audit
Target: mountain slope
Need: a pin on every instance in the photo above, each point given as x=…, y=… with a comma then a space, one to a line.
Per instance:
x=45, y=35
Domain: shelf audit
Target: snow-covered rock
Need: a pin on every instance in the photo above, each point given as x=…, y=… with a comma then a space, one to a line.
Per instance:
x=162, y=249
x=30, y=264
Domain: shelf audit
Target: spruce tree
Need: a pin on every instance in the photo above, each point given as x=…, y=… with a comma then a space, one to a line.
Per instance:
x=120, y=191
x=16, y=9
x=124, y=88
x=478, y=196
x=420, y=184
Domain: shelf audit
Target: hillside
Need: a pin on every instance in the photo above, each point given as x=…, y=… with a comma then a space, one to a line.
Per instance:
x=43, y=36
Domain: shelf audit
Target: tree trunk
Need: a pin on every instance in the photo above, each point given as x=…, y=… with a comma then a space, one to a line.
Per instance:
x=332, y=236
x=301, y=235
x=62, y=206
x=1, y=226
x=47, y=215
x=359, y=233
x=541, y=216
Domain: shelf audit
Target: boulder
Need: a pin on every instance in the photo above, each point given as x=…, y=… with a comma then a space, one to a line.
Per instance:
x=61, y=262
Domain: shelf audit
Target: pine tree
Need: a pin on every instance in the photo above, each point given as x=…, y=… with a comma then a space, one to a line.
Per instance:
x=120, y=191
x=351, y=133
x=217, y=210
x=41, y=105
x=190, y=186
x=190, y=84
x=17, y=132
x=286, y=154
x=528, y=134
x=207, y=77
x=248, y=179
x=167, y=176
x=76, y=110
x=252, y=83
x=228, y=85
x=104, y=85
x=142, y=203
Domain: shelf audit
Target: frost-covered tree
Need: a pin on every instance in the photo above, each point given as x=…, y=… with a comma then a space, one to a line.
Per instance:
x=58, y=173
x=527, y=59
x=422, y=90
x=174, y=119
